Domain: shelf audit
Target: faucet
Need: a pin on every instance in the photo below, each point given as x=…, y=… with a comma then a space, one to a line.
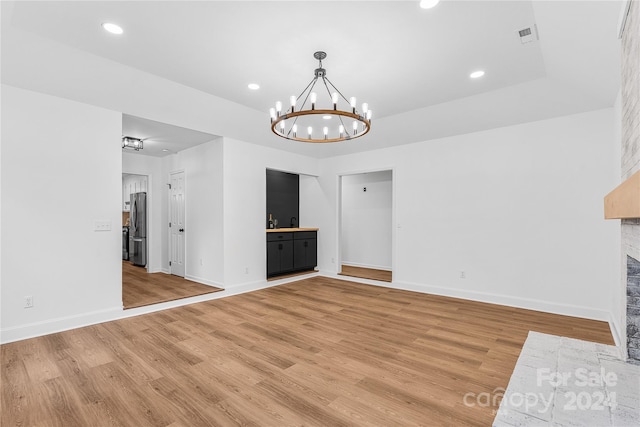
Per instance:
x=293, y=219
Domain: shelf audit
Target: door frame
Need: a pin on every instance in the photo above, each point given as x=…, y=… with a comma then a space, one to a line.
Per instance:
x=150, y=213
x=169, y=247
x=394, y=223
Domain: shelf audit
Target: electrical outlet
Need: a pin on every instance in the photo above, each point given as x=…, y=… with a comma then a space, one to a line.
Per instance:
x=246, y=270
x=28, y=301
x=333, y=261
x=102, y=226
x=201, y=261
x=462, y=275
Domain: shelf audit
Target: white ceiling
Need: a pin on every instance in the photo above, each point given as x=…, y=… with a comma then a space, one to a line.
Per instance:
x=411, y=65
x=161, y=139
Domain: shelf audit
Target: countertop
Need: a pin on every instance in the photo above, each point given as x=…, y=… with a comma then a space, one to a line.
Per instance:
x=289, y=230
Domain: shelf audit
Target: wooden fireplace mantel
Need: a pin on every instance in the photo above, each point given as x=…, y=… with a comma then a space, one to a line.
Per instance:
x=624, y=201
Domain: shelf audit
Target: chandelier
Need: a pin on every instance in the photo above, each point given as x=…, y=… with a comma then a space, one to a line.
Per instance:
x=323, y=116
x=132, y=143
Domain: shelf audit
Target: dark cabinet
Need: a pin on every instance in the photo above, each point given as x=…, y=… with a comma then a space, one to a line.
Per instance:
x=279, y=253
x=290, y=252
x=305, y=250
x=279, y=257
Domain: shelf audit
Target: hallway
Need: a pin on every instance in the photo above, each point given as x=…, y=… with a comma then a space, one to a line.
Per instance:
x=140, y=288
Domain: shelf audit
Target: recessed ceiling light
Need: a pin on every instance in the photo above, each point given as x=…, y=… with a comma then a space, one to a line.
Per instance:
x=326, y=117
x=253, y=86
x=112, y=28
x=476, y=74
x=428, y=4
x=165, y=150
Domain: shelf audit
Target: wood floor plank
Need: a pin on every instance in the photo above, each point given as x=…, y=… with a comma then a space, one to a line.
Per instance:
x=140, y=288
x=366, y=273
x=317, y=352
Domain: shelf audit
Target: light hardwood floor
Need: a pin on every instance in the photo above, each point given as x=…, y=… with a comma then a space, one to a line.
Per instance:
x=140, y=288
x=366, y=273
x=316, y=352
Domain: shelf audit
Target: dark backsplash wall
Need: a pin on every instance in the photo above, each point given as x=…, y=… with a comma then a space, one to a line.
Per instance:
x=283, y=198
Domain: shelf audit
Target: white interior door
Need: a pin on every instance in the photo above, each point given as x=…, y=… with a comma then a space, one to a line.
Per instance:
x=177, y=224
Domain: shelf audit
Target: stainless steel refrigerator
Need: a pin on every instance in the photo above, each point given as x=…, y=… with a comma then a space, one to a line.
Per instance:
x=138, y=229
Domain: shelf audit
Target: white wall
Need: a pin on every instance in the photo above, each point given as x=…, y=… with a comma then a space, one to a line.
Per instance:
x=245, y=203
x=310, y=191
x=61, y=171
x=518, y=209
x=366, y=220
x=156, y=205
x=204, y=256
x=73, y=272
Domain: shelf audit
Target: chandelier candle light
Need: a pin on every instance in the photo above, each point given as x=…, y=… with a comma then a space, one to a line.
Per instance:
x=294, y=121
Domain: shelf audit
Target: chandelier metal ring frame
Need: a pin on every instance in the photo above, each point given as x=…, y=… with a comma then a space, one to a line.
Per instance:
x=361, y=121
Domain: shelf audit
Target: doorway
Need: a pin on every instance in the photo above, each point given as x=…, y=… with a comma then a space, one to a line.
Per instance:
x=366, y=215
x=140, y=286
x=177, y=223
x=135, y=219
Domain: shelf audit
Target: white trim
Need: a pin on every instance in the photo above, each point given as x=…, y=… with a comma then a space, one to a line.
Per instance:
x=184, y=240
x=358, y=280
x=151, y=238
x=619, y=336
x=624, y=15
x=615, y=331
x=511, y=301
x=204, y=281
x=337, y=261
x=338, y=248
x=490, y=298
x=293, y=171
x=376, y=267
x=32, y=330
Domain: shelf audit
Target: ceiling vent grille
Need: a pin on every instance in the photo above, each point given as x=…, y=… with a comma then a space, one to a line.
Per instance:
x=528, y=35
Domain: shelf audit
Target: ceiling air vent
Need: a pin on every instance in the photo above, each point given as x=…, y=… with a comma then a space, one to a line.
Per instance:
x=528, y=35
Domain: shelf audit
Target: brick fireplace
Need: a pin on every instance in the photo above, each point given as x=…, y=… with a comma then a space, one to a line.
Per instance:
x=630, y=162
x=633, y=308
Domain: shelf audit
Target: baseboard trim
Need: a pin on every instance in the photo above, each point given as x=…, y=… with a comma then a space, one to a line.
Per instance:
x=204, y=281
x=491, y=298
x=619, y=339
x=263, y=284
x=37, y=329
x=511, y=301
x=62, y=324
x=375, y=267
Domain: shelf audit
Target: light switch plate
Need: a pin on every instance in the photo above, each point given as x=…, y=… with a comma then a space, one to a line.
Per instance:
x=102, y=226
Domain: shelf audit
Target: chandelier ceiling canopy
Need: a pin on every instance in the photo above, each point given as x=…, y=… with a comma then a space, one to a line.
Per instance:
x=320, y=117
